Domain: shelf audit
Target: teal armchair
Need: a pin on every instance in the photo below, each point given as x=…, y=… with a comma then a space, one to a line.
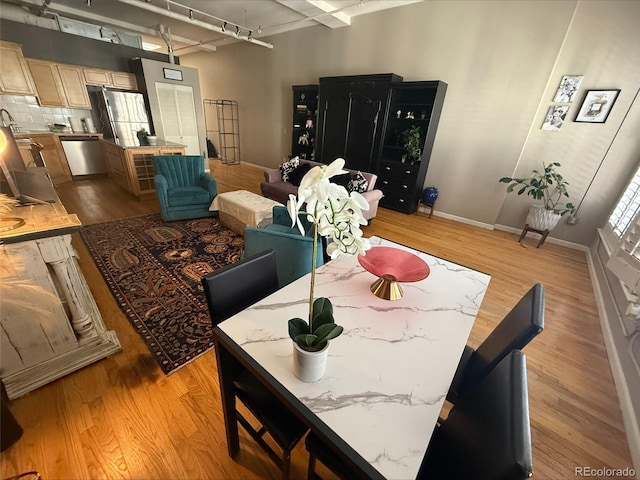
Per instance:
x=294, y=252
x=184, y=189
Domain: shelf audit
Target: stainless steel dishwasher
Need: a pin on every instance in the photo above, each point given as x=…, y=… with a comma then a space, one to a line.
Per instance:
x=84, y=154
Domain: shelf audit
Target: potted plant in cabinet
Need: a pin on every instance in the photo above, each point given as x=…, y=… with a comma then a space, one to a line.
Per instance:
x=549, y=186
x=412, y=145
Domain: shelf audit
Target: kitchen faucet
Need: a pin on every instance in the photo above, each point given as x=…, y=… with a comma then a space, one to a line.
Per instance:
x=11, y=120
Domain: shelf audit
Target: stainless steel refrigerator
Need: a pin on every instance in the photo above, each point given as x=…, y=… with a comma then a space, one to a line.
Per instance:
x=121, y=115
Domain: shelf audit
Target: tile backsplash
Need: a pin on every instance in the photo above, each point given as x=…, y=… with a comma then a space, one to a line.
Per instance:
x=29, y=116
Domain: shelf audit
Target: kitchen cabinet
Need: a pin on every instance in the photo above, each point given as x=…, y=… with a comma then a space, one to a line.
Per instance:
x=48, y=83
x=132, y=168
x=54, y=157
x=303, y=128
x=74, y=87
x=351, y=114
x=401, y=177
x=122, y=80
x=51, y=325
x=59, y=85
x=15, y=77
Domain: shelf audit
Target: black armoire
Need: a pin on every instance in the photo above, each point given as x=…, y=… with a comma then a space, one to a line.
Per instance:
x=351, y=113
x=364, y=119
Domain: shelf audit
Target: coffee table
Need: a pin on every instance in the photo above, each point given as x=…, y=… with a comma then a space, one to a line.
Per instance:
x=240, y=209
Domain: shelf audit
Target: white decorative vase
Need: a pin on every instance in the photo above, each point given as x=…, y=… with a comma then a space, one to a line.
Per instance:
x=309, y=366
x=539, y=218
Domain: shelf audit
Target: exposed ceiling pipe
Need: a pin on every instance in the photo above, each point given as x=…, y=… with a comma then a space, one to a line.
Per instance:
x=166, y=36
x=199, y=23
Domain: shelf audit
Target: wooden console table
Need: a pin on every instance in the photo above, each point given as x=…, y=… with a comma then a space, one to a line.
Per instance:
x=51, y=325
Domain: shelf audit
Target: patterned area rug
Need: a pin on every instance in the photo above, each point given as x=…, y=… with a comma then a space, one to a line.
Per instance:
x=153, y=269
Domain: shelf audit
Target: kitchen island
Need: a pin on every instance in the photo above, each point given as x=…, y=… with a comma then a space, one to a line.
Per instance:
x=51, y=325
x=131, y=166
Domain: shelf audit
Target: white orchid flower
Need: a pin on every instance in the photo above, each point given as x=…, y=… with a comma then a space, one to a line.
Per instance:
x=324, y=172
x=293, y=206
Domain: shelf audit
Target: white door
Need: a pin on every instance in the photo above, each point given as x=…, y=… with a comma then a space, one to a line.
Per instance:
x=178, y=116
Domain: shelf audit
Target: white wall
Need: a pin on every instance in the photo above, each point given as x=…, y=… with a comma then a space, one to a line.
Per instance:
x=502, y=60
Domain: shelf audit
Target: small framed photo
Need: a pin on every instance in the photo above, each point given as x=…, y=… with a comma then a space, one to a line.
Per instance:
x=597, y=105
x=568, y=88
x=555, y=117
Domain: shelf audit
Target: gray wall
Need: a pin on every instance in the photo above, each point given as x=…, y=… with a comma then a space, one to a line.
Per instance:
x=503, y=61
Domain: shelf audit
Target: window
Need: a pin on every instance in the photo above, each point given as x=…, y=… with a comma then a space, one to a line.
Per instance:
x=622, y=236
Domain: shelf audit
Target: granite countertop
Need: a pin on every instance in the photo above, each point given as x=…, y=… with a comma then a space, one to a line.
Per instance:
x=162, y=143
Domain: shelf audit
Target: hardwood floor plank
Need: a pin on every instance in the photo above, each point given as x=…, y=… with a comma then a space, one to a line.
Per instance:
x=123, y=418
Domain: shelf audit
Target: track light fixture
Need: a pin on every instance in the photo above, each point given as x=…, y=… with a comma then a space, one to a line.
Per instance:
x=190, y=14
x=237, y=31
x=224, y=26
x=259, y=28
x=249, y=35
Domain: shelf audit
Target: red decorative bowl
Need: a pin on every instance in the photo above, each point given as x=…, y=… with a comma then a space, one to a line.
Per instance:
x=392, y=265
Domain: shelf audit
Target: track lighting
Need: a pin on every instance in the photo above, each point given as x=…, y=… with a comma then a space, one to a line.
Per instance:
x=190, y=14
x=224, y=26
x=249, y=35
x=259, y=28
x=237, y=31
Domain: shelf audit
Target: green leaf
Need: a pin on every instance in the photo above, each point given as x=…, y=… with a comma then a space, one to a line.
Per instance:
x=322, y=304
x=328, y=332
x=308, y=340
x=505, y=180
x=297, y=327
x=510, y=188
x=323, y=318
x=522, y=190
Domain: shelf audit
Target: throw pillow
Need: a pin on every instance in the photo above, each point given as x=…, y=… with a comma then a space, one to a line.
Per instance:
x=287, y=167
x=295, y=177
x=341, y=179
x=358, y=183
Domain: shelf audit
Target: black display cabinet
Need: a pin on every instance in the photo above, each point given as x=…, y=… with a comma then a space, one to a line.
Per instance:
x=413, y=110
x=303, y=129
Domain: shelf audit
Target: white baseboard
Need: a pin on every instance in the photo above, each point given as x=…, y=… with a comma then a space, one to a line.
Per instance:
x=460, y=219
x=555, y=241
x=632, y=427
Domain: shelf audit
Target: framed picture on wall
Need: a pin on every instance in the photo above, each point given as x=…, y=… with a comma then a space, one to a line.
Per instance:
x=555, y=117
x=568, y=88
x=597, y=105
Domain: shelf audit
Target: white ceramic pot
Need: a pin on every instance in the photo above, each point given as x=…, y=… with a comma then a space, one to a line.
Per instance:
x=539, y=218
x=309, y=366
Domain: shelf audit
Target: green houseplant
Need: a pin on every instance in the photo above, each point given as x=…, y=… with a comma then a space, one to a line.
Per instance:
x=549, y=186
x=337, y=215
x=411, y=139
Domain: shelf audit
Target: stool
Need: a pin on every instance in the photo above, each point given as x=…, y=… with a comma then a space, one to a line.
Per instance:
x=527, y=229
x=428, y=205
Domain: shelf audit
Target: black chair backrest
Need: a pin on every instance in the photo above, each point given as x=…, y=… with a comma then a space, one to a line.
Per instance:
x=514, y=332
x=234, y=287
x=487, y=435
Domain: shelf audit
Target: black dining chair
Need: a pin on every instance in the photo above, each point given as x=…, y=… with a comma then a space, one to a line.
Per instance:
x=514, y=332
x=230, y=290
x=487, y=435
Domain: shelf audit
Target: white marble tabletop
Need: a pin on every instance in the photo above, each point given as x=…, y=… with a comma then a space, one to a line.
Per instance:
x=388, y=373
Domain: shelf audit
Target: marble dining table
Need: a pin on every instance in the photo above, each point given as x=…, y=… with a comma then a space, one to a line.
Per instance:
x=387, y=375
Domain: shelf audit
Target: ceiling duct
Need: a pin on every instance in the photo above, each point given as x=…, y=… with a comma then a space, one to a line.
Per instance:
x=67, y=25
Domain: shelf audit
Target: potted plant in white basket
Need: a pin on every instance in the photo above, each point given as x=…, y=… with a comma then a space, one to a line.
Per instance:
x=337, y=215
x=549, y=186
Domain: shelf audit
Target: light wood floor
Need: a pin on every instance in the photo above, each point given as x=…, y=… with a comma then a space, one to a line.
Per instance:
x=122, y=418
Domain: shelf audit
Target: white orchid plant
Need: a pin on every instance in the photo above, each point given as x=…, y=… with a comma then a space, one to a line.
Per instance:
x=337, y=215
